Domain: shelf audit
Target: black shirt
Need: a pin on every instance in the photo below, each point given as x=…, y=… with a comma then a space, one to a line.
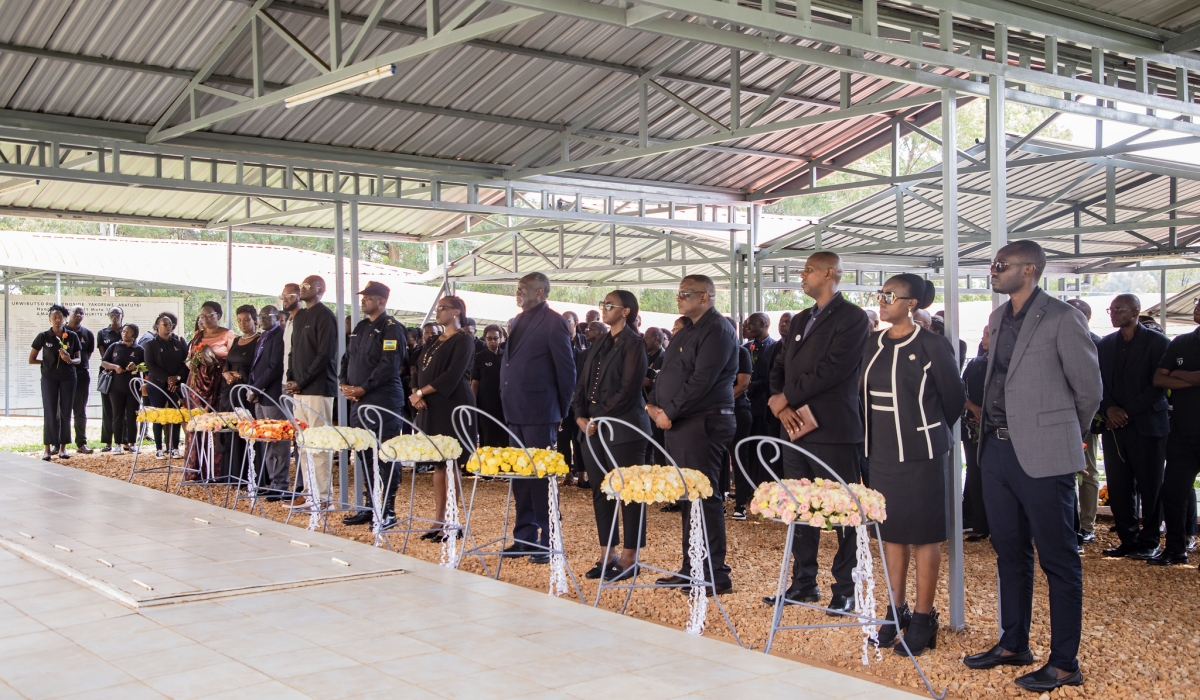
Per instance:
x=53, y=366
x=121, y=355
x=487, y=373
x=994, y=415
x=87, y=346
x=698, y=369
x=522, y=320
x=745, y=366
x=166, y=358
x=374, y=356
x=759, y=390
x=1184, y=353
x=107, y=336
x=315, y=333
x=653, y=367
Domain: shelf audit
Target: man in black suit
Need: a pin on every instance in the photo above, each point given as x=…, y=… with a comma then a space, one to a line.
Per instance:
x=1089, y=481
x=266, y=375
x=759, y=345
x=1135, y=444
x=692, y=402
x=818, y=367
x=1179, y=371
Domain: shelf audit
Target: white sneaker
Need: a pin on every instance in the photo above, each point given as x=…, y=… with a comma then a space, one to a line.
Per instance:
x=117, y=450
x=175, y=454
x=160, y=454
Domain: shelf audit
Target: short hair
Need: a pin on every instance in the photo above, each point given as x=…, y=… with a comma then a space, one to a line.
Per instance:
x=468, y=322
x=494, y=327
x=215, y=306
x=539, y=281
x=655, y=330
x=833, y=260
x=428, y=324
x=268, y=310
x=1031, y=250
x=459, y=304
x=169, y=316
x=77, y=306
x=705, y=280
x=1133, y=301
x=133, y=327
x=760, y=316
x=59, y=308
x=572, y=314
x=117, y=309
x=1084, y=307
x=247, y=309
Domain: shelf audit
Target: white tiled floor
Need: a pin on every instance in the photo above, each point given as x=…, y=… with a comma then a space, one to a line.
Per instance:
x=426, y=633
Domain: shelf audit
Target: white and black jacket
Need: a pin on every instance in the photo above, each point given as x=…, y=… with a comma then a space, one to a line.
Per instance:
x=926, y=395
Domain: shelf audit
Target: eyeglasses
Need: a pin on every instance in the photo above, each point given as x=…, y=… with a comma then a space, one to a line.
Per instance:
x=888, y=297
x=609, y=306
x=305, y=286
x=210, y=314
x=1001, y=265
x=684, y=295
x=1118, y=310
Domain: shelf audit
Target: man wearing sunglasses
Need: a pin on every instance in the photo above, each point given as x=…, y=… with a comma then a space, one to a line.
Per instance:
x=1041, y=390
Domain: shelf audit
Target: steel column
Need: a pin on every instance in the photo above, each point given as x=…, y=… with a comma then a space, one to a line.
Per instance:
x=950, y=301
x=7, y=351
x=339, y=272
x=230, y=316
x=1162, y=299
x=354, y=315
x=998, y=174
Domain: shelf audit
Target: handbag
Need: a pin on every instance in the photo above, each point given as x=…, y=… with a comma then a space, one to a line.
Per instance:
x=104, y=382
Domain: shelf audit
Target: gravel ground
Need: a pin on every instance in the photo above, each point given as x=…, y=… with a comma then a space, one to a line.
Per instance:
x=1141, y=629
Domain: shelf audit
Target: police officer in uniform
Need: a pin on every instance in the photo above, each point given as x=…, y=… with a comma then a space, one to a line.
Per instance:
x=370, y=375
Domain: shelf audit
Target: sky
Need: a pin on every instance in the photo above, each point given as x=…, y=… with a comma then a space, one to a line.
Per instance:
x=1083, y=132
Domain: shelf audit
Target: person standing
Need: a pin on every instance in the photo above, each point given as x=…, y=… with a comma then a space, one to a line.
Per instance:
x=692, y=403
x=1043, y=386
x=109, y=335
x=166, y=368
x=568, y=431
x=266, y=375
x=741, y=412
x=974, y=512
x=610, y=385
x=122, y=359
x=485, y=382
x=312, y=381
x=1089, y=480
x=656, y=351
x=206, y=355
x=370, y=376
x=912, y=396
x=757, y=329
x=83, y=377
x=238, y=362
x=59, y=349
x=1179, y=371
x=818, y=367
x=1136, y=426
x=537, y=376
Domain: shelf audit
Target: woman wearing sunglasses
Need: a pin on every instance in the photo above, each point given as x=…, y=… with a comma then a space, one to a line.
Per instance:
x=610, y=384
x=912, y=395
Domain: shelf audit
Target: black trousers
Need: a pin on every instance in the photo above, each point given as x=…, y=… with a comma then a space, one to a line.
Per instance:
x=106, y=429
x=729, y=471
x=842, y=459
x=626, y=454
x=700, y=443
x=751, y=460
x=390, y=473
x=532, y=496
x=973, y=508
x=1134, y=466
x=157, y=399
x=123, y=406
x=58, y=395
x=653, y=454
x=1183, y=464
x=1024, y=512
x=83, y=383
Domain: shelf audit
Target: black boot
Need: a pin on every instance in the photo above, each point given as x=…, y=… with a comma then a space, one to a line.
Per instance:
x=921, y=633
x=887, y=633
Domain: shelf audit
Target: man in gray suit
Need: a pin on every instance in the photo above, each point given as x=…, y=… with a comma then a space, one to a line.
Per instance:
x=1043, y=387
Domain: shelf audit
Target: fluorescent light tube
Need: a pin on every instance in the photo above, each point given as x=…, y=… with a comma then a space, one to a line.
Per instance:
x=341, y=85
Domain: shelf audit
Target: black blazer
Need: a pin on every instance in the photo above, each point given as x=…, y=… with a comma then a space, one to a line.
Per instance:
x=166, y=358
x=537, y=369
x=927, y=394
x=622, y=368
x=821, y=370
x=267, y=371
x=1145, y=403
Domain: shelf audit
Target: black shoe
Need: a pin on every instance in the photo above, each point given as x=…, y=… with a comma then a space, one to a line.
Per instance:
x=84, y=450
x=1145, y=554
x=1168, y=559
x=106, y=448
x=796, y=593
x=273, y=497
x=362, y=517
x=976, y=538
x=54, y=449
x=441, y=537
x=45, y=458
x=739, y=512
x=434, y=535
x=887, y=633
x=1122, y=550
x=671, y=508
x=1046, y=679
x=993, y=658
x=542, y=558
x=595, y=572
x=585, y=484
x=921, y=634
x=840, y=603
x=615, y=572
x=516, y=549
x=1089, y=538
x=675, y=580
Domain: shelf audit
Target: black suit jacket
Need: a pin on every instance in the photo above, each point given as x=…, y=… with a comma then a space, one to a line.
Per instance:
x=619, y=395
x=1145, y=403
x=821, y=370
x=537, y=369
x=266, y=374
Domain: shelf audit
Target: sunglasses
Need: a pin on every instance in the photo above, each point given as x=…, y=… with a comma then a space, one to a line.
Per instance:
x=609, y=306
x=888, y=297
x=444, y=308
x=684, y=295
x=305, y=286
x=1001, y=265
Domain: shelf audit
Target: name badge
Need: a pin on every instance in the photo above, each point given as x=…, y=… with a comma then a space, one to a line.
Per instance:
x=389, y=345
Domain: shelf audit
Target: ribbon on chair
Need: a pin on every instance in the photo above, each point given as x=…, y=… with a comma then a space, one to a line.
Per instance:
x=310, y=474
x=451, y=527
x=698, y=598
x=558, y=560
x=864, y=592
x=251, y=476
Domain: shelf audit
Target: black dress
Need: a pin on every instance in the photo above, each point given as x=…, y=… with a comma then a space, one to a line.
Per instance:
x=445, y=366
x=240, y=359
x=915, y=489
x=487, y=373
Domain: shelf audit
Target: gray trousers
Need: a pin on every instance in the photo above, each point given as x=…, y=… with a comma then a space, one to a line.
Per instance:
x=277, y=456
x=1089, y=487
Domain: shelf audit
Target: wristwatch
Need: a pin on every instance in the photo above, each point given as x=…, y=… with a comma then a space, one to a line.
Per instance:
x=420, y=394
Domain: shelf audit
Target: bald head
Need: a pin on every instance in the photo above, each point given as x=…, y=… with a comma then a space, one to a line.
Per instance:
x=1129, y=299
x=820, y=277
x=922, y=318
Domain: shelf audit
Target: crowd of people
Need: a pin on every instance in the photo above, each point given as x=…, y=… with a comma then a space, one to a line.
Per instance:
x=872, y=406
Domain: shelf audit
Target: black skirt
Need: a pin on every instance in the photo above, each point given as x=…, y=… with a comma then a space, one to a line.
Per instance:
x=916, y=498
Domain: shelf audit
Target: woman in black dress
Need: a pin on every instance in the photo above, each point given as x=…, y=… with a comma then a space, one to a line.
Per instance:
x=912, y=395
x=485, y=383
x=59, y=348
x=122, y=358
x=442, y=385
x=610, y=384
x=166, y=365
x=237, y=371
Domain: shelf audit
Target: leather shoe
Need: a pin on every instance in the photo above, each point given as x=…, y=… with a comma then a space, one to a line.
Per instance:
x=1046, y=679
x=362, y=517
x=596, y=571
x=675, y=580
x=1145, y=554
x=1168, y=559
x=796, y=593
x=542, y=558
x=1121, y=550
x=993, y=658
x=976, y=538
x=85, y=450
x=839, y=603
x=518, y=549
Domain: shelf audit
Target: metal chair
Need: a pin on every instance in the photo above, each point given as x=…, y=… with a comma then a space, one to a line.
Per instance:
x=451, y=528
x=861, y=619
x=137, y=385
x=697, y=582
x=203, y=447
x=320, y=510
x=559, y=568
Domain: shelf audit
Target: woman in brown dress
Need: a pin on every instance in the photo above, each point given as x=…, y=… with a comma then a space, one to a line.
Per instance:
x=206, y=359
